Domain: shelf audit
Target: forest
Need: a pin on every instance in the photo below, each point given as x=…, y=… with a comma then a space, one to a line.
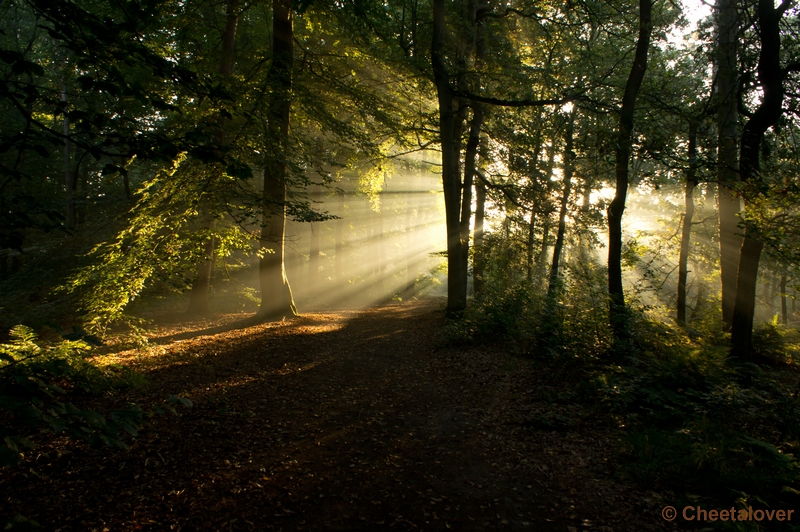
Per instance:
x=410, y=264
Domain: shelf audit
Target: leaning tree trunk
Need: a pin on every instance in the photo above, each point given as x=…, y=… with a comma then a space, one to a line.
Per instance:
x=562, y=214
x=727, y=168
x=276, y=295
x=456, y=272
x=770, y=76
x=624, y=144
x=201, y=286
x=686, y=233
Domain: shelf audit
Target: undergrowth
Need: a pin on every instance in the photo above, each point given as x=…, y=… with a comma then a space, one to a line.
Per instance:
x=691, y=420
x=41, y=388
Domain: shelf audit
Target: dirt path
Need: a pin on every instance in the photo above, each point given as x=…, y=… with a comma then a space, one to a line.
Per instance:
x=343, y=421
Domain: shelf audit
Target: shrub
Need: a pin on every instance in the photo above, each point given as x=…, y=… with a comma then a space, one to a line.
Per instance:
x=34, y=383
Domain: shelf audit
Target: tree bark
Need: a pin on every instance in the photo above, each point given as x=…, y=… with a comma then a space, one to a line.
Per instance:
x=276, y=294
x=69, y=174
x=546, y=210
x=314, y=249
x=686, y=233
x=339, y=244
x=529, y=244
x=770, y=76
x=562, y=214
x=201, y=286
x=456, y=273
x=784, y=310
x=477, y=238
x=727, y=167
x=470, y=157
x=624, y=144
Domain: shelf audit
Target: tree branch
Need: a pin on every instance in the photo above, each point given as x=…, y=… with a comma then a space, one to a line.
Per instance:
x=516, y=103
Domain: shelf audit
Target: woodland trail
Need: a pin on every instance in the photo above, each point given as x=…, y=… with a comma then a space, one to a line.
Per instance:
x=360, y=420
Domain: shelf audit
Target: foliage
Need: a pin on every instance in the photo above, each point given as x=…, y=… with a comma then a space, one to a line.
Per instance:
x=514, y=310
x=162, y=240
x=692, y=418
x=35, y=383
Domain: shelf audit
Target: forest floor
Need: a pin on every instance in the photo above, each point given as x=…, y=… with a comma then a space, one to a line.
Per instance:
x=345, y=420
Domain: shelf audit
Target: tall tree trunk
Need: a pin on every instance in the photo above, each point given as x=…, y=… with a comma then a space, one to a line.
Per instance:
x=727, y=167
x=770, y=76
x=700, y=301
x=381, y=284
x=686, y=233
x=69, y=174
x=546, y=211
x=471, y=152
x=477, y=238
x=276, y=295
x=470, y=156
x=562, y=214
x=339, y=244
x=479, y=264
x=624, y=144
x=784, y=313
x=408, y=291
x=529, y=244
x=456, y=273
x=314, y=248
x=201, y=286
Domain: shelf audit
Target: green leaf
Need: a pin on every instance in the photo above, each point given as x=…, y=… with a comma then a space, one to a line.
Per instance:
x=185, y=402
x=20, y=523
x=130, y=429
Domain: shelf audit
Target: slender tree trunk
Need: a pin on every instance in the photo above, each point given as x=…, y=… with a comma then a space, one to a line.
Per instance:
x=381, y=285
x=562, y=214
x=69, y=177
x=727, y=167
x=480, y=215
x=531, y=241
x=784, y=310
x=470, y=156
x=624, y=144
x=456, y=273
x=477, y=238
x=198, y=303
x=314, y=248
x=700, y=301
x=338, y=245
x=276, y=295
x=201, y=286
x=547, y=212
x=770, y=76
x=683, y=259
x=471, y=152
x=408, y=233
